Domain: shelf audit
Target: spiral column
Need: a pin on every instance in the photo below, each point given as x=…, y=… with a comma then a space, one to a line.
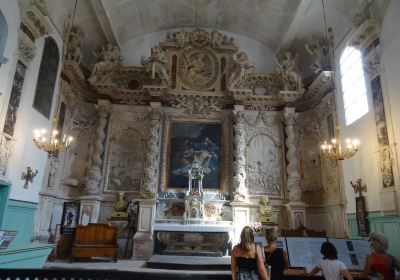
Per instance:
x=240, y=192
x=94, y=176
x=293, y=180
x=152, y=155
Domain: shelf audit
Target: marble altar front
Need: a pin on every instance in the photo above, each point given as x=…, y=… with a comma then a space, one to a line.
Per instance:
x=193, y=240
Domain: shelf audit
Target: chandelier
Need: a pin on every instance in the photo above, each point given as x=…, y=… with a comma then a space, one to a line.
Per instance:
x=339, y=149
x=54, y=143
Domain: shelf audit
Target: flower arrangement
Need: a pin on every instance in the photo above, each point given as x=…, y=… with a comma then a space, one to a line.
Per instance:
x=257, y=226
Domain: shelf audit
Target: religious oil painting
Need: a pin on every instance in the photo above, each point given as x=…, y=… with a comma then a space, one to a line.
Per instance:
x=194, y=144
x=70, y=217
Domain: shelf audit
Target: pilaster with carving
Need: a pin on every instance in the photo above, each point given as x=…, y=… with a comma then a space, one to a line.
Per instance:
x=293, y=181
x=240, y=191
x=94, y=174
x=152, y=155
x=6, y=147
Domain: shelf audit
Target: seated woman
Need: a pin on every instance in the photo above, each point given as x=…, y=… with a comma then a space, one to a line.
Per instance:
x=380, y=264
x=275, y=257
x=331, y=267
x=247, y=262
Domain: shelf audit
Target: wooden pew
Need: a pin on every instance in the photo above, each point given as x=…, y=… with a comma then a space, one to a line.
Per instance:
x=95, y=240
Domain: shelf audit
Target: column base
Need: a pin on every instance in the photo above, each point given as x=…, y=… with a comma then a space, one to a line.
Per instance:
x=296, y=213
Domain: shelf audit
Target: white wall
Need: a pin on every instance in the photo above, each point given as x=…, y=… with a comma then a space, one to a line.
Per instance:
x=390, y=62
x=10, y=12
x=365, y=164
x=259, y=54
x=25, y=152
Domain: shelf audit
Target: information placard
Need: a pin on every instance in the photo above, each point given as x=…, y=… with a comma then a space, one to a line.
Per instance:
x=346, y=252
x=361, y=248
x=304, y=251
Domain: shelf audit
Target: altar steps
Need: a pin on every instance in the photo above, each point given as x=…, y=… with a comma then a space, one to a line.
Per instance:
x=199, y=263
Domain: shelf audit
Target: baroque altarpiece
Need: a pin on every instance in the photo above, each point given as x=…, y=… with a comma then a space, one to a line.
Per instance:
x=197, y=99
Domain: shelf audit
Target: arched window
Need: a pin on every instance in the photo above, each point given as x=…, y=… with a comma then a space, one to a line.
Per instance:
x=47, y=78
x=353, y=85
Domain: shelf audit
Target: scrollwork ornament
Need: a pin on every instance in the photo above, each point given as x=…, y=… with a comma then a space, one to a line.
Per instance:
x=198, y=68
x=289, y=118
x=147, y=194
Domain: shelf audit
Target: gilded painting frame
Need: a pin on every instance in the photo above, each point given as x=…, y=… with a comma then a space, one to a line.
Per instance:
x=170, y=121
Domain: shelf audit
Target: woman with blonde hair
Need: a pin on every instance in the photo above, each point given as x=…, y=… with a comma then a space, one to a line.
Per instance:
x=247, y=258
x=275, y=257
x=380, y=264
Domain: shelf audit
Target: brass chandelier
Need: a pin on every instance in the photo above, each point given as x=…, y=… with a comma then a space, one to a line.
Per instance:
x=54, y=143
x=339, y=149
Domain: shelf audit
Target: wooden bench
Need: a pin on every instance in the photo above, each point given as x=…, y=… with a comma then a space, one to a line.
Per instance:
x=95, y=240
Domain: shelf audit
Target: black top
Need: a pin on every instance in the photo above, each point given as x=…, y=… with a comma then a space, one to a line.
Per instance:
x=246, y=263
x=277, y=263
x=246, y=269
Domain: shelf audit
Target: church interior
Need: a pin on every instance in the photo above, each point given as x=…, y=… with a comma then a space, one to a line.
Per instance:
x=139, y=128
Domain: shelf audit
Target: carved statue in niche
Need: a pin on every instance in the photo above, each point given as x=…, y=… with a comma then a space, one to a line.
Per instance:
x=125, y=161
x=241, y=69
x=157, y=64
x=181, y=38
x=263, y=166
x=52, y=172
x=285, y=68
x=321, y=50
x=310, y=164
x=77, y=158
x=74, y=46
x=216, y=39
x=109, y=60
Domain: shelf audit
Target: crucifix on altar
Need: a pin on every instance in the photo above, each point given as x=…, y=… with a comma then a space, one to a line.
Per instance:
x=194, y=196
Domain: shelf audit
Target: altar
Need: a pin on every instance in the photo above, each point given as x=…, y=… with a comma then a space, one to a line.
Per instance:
x=193, y=239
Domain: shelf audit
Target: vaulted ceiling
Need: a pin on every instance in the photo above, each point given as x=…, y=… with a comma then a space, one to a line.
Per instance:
x=266, y=21
x=278, y=24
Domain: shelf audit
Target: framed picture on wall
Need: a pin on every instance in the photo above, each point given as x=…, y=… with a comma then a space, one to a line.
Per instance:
x=70, y=217
x=6, y=236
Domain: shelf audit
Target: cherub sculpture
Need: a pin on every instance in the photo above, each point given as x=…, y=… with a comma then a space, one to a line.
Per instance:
x=109, y=60
x=157, y=65
x=285, y=68
x=241, y=69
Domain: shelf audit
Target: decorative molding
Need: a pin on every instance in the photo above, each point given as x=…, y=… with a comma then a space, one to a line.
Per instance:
x=33, y=17
x=364, y=34
x=26, y=48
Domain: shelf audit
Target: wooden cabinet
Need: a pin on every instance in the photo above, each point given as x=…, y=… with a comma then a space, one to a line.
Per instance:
x=95, y=240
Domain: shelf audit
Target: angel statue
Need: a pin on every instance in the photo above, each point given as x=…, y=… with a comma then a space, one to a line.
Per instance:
x=109, y=59
x=157, y=65
x=241, y=69
x=285, y=68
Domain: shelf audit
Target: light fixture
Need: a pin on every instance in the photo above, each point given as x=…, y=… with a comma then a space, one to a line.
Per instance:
x=338, y=149
x=54, y=143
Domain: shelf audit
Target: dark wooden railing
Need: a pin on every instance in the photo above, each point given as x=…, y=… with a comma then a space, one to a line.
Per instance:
x=82, y=274
x=86, y=274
